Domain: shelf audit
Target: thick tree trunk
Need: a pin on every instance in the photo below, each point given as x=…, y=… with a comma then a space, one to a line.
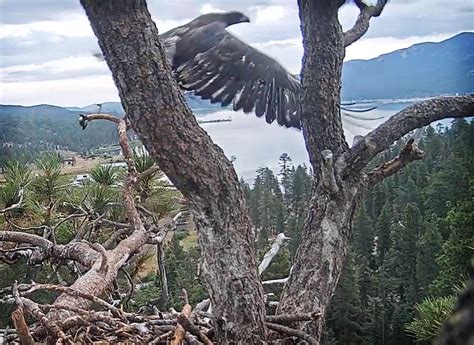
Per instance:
x=319, y=259
x=198, y=168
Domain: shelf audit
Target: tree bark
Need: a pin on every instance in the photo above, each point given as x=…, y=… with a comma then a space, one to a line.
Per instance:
x=339, y=178
x=185, y=153
x=319, y=259
x=323, y=41
x=156, y=111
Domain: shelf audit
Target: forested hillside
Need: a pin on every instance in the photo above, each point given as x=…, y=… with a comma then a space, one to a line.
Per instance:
x=27, y=131
x=413, y=239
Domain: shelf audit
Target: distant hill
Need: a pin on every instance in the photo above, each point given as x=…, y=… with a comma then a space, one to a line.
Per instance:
x=425, y=69
x=198, y=106
x=41, y=111
x=26, y=131
x=422, y=70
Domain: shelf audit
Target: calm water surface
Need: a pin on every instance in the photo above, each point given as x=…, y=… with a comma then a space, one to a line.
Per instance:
x=254, y=143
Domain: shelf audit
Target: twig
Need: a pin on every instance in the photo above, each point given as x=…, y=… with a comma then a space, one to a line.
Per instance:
x=16, y=205
x=131, y=289
x=30, y=228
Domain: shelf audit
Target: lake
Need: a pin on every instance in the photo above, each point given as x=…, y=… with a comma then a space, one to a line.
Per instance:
x=255, y=144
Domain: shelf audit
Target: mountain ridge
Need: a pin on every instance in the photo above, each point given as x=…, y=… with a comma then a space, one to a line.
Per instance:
x=422, y=70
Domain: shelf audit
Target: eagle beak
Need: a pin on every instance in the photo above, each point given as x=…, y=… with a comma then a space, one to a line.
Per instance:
x=245, y=19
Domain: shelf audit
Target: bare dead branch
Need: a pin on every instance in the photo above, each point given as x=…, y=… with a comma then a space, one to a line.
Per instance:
x=292, y=332
x=267, y=259
x=95, y=280
x=69, y=217
x=112, y=240
x=51, y=326
x=11, y=256
x=131, y=287
x=84, y=119
x=29, y=228
x=363, y=20
x=17, y=204
x=163, y=226
x=410, y=153
x=187, y=324
x=180, y=332
x=288, y=319
x=75, y=293
x=200, y=307
x=164, y=295
x=275, y=281
x=415, y=116
x=76, y=251
x=115, y=224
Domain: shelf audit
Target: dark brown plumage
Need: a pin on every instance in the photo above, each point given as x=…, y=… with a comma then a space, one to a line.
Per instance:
x=218, y=66
x=215, y=65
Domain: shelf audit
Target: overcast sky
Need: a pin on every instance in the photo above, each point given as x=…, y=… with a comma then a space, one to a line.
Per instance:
x=47, y=45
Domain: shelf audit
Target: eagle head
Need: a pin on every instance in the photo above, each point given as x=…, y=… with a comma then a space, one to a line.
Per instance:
x=235, y=17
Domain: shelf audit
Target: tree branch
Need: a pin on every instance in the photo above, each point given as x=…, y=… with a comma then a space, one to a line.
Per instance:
x=288, y=319
x=190, y=327
x=292, y=332
x=363, y=20
x=85, y=119
x=75, y=293
x=267, y=259
x=410, y=153
x=16, y=205
x=76, y=251
x=415, y=116
x=275, y=281
x=158, y=114
x=180, y=332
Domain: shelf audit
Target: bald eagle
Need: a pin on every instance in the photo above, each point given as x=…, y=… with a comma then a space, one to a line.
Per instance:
x=217, y=66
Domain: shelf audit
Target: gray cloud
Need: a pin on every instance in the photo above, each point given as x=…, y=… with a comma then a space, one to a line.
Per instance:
x=38, y=32
x=40, y=48
x=27, y=11
x=422, y=17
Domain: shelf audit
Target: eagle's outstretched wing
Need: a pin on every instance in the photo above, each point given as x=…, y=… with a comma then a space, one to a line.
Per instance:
x=218, y=66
